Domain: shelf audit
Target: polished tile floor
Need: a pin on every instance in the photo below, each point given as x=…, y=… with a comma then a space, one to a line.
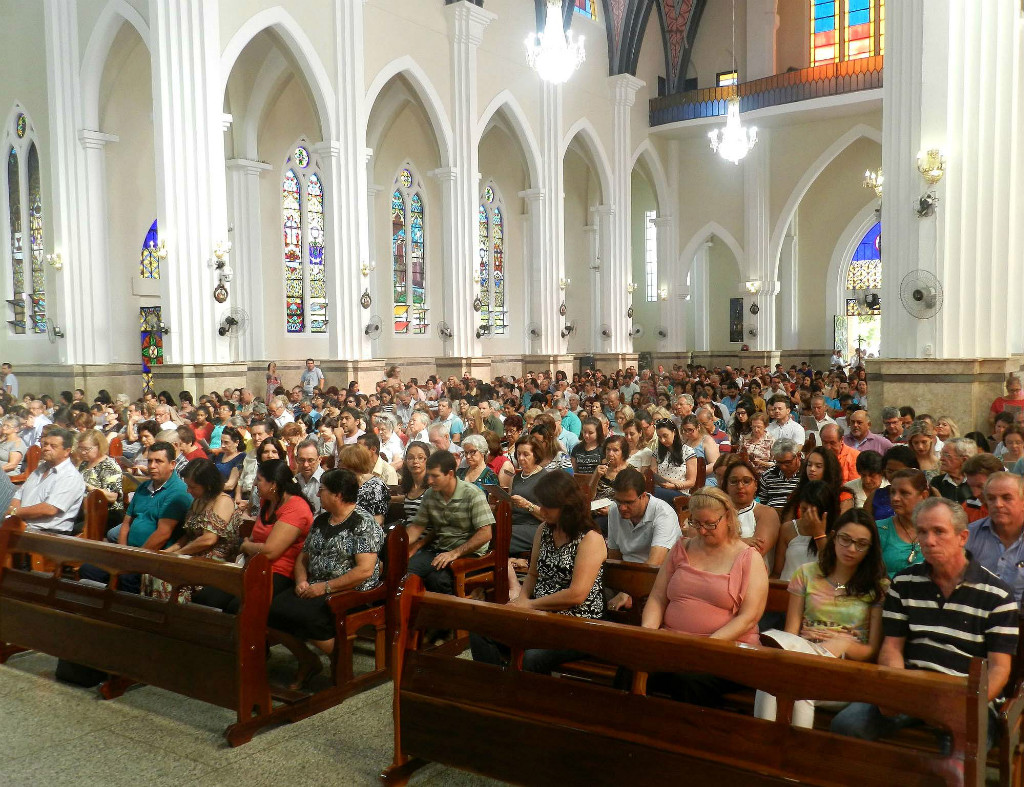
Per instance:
x=53, y=734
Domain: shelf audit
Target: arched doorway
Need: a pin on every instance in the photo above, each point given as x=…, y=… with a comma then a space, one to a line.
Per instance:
x=860, y=326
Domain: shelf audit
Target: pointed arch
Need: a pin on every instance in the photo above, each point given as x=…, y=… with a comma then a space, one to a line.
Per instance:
x=299, y=47
x=835, y=279
x=584, y=129
x=407, y=67
x=270, y=81
x=699, y=237
x=506, y=104
x=659, y=179
x=861, y=130
x=114, y=15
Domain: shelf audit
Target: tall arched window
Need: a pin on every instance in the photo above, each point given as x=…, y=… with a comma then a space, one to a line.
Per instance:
x=490, y=272
x=27, y=298
x=302, y=214
x=863, y=296
x=407, y=255
x=846, y=30
x=149, y=259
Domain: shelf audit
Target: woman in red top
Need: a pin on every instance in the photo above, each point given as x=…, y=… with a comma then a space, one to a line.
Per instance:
x=202, y=426
x=279, y=533
x=712, y=585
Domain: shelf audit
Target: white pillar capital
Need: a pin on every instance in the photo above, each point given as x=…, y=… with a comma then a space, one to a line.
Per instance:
x=96, y=139
x=444, y=174
x=226, y=120
x=247, y=166
x=663, y=221
x=605, y=211
x=467, y=22
x=328, y=149
x=531, y=196
x=623, y=88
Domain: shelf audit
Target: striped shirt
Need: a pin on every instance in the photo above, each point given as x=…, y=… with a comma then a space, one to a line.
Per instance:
x=774, y=488
x=944, y=634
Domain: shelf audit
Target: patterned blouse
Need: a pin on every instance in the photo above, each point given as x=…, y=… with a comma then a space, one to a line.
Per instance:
x=225, y=549
x=554, y=573
x=374, y=496
x=331, y=549
x=759, y=451
x=106, y=475
x=486, y=477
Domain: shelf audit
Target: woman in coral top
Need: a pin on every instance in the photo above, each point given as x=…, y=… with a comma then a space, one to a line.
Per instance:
x=712, y=585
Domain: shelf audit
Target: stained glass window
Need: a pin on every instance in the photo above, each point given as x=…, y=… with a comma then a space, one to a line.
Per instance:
x=317, y=283
x=417, y=265
x=35, y=227
x=152, y=340
x=401, y=273
x=650, y=256
x=17, y=251
x=491, y=266
x=846, y=30
x=498, y=324
x=483, y=272
x=291, y=207
x=21, y=125
x=408, y=262
x=587, y=8
x=149, y=262
x=865, y=271
x=301, y=156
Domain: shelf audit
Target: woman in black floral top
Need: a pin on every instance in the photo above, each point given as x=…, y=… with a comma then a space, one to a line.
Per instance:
x=340, y=553
x=101, y=472
x=565, y=570
x=374, y=495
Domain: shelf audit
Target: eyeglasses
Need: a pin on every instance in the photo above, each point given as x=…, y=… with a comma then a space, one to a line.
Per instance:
x=845, y=541
x=706, y=526
x=741, y=481
x=627, y=503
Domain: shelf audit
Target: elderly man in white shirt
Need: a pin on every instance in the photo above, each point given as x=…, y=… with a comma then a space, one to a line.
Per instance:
x=281, y=411
x=782, y=425
x=307, y=461
x=39, y=419
x=52, y=495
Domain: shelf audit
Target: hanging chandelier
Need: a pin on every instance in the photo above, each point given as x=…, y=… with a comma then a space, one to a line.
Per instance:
x=553, y=54
x=733, y=142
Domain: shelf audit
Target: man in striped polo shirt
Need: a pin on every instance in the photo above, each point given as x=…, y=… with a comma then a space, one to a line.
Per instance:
x=938, y=615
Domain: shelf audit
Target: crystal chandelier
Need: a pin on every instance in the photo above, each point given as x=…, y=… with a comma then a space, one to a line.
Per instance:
x=733, y=142
x=553, y=54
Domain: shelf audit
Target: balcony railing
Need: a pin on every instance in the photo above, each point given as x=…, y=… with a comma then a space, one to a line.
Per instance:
x=834, y=79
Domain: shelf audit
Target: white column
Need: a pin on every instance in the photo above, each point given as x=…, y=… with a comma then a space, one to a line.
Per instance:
x=758, y=267
x=246, y=252
x=623, y=92
x=591, y=236
x=699, y=293
x=190, y=172
x=345, y=199
x=762, y=25
x=953, y=82
x=466, y=25
x=604, y=298
x=789, y=295
x=549, y=264
x=670, y=315
x=370, y=283
x=78, y=297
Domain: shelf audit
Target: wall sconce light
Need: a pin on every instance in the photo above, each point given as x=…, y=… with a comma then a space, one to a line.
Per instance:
x=563, y=284
x=221, y=249
x=158, y=250
x=367, y=267
x=931, y=165
x=753, y=286
x=631, y=287
x=55, y=260
x=663, y=292
x=873, y=180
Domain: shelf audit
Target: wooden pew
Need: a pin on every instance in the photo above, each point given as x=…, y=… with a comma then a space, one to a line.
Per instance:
x=94, y=528
x=511, y=725
x=116, y=447
x=32, y=457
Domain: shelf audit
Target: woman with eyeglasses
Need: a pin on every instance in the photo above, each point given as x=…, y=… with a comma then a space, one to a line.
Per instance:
x=835, y=606
x=476, y=471
x=757, y=443
x=711, y=585
x=759, y=524
x=674, y=464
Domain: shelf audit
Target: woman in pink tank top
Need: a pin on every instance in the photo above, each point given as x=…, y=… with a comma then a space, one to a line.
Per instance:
x=711, y=585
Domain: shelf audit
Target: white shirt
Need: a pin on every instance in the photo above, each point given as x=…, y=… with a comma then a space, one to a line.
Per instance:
x=790, y=430
x=311, y=488
x=284, y=418
x=62, y=487
x=37, y=428
x=12, y=381
x=392, y=449
x=659, y=527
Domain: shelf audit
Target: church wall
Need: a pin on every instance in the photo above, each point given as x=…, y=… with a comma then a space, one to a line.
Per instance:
x=650, y=66
x=125, y=111
x=792, y=38
x=409, y=139
x=646, y=314
x=712, y=49
x=502, y=162
x=289, y=117
x=581, y=193
x=723, y=285
x=829, y=206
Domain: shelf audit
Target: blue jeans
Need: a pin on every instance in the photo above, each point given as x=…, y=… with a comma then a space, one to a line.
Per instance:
x=534, y=659
x=865, y=721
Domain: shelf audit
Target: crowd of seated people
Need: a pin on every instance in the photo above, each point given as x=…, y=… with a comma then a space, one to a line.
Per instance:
x=862, y=525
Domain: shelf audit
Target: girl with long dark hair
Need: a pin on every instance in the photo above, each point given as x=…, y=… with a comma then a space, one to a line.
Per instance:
x=675, y=463
x=815, y=513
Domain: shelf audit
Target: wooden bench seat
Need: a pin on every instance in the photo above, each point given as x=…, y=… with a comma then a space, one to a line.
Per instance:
x=524, y=727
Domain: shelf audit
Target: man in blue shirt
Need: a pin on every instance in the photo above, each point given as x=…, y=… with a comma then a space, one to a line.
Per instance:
x=997, y=541
x=732, y=397
x=157, y=509
x=570, y=421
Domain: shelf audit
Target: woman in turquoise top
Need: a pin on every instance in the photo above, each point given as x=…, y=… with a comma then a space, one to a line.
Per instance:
x=896, y=534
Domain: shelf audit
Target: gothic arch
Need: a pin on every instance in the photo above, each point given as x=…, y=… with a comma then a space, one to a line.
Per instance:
x=506, y=105
x=699, y=237
x=835, y=279
x=647, y=156
x=111, y=19
x=584, y=129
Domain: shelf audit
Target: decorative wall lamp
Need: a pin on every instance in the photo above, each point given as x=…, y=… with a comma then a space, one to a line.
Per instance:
x=873, y=180
x=563, y=284
x=753, y=286
x=932, y=166
x=158, y=250
x=221, y=250
x=367, y=268
x=663, y=292
x=55, y=260
x=630, y=287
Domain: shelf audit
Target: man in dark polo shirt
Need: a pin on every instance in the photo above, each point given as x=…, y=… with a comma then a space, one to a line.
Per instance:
x=938, y=615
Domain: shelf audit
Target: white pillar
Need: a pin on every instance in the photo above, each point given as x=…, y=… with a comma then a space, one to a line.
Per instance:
x=758, y=265
x=699, y=293
x=953, y=82
x=78, y=297
x=190, y=173
x=370, y=282
x=549, y=263
x=246, y=252
x=345, y=201
x=466, y=25
x=762, y=25
x=604, y=298
x=789, y=295
x=670, y=315
x=623, y=91
x=591, y=236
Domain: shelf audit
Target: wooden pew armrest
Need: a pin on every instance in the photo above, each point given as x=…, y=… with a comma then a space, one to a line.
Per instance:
x=341, y=603
x=465, y=565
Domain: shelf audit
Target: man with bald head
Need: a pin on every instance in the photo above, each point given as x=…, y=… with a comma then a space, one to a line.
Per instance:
x=861, y=437
x=832, y=439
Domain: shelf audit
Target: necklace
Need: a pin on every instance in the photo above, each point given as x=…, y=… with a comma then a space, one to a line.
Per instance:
x=914, y=545
x=531, y=475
